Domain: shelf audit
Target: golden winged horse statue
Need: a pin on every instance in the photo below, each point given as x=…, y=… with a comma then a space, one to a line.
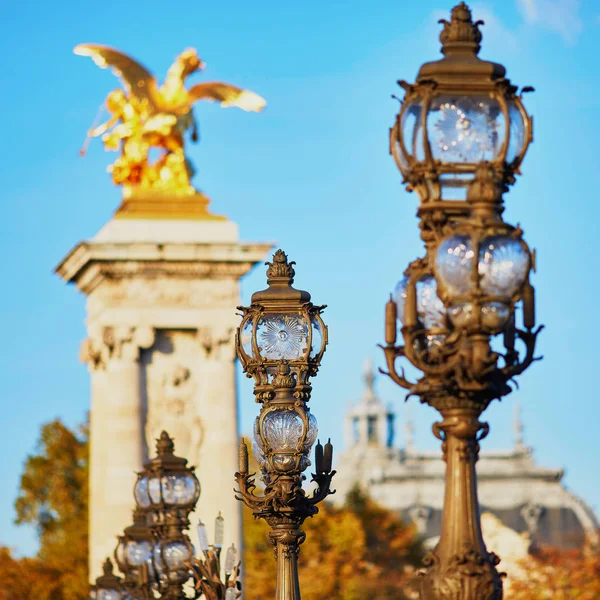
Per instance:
x=144, y=116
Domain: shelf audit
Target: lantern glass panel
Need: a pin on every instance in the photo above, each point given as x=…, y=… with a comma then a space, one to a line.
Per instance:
x=494, y=315
x=465, y=129
x=141, y=492
x=503, y=265
x=317, y=337
x=179, y=490
x=246, y=338
x=282, y=336
x=412, y=132
x=154, y=489
x=454, y=186
x=516, y=141
x=430, y=308
x=313, y=432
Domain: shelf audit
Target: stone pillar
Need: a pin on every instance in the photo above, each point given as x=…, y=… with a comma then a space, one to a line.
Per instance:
x=161, y=306
x=116, y=428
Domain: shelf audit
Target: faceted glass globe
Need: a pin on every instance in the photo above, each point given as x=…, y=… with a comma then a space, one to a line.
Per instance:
x=109, y=594
x=282, y=336
x=503, y=265
x=465, y=129
x=494, y=316
x=176, y=554
x=154, y=489
x=461, y=315
x=430, y=308
x=181, y=489
x=138, y=552
x=141, y=492
x=454, y=264
x=283, y=430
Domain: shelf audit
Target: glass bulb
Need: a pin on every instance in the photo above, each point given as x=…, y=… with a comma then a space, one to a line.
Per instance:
x=219, y=531
x=283, y=430
x=141, y=492
x=503, y=265
x=465, y=129
x=230, y=594
x=230, y=559
x=461, y=315
x=203, y=537
x=282, y=337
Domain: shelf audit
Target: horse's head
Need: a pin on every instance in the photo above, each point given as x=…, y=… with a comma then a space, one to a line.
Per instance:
x=190, y=61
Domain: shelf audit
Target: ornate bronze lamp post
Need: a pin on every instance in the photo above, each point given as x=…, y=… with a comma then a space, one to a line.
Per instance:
x=459, y=140
x=108, y=586
x=167, y=491
x=280, y=343
x=133, y=555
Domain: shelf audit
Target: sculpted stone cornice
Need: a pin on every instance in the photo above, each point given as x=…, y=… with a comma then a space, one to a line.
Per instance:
x=107, y=343
x=90, y=263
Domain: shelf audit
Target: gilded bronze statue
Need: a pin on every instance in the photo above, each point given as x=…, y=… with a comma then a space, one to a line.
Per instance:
x=146, y=116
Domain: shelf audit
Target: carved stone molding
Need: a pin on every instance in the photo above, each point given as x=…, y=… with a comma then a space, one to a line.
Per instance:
x=108, y=343
x=217, y=343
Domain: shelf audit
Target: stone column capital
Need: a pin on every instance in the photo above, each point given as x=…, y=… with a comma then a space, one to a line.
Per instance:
x=217, y=342
x=108, y=343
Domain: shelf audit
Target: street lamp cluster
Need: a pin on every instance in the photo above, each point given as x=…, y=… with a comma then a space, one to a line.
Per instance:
x=155, y=554
x=459, y=139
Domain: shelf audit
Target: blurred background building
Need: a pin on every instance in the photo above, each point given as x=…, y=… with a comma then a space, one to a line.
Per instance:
x=524, y=496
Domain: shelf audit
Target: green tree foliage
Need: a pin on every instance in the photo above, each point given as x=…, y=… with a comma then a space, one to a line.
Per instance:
x=53, y=497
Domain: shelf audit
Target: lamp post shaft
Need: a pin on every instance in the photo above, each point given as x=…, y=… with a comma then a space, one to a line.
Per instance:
x=286, y=539
x=460, y=568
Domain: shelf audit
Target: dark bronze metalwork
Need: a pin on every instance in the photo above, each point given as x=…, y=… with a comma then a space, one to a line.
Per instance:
x=459, y=141
x=280, y=343
x=207, y=575
x=108, y=584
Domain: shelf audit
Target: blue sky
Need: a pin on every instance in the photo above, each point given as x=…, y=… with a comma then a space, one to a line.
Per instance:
x=313, y=173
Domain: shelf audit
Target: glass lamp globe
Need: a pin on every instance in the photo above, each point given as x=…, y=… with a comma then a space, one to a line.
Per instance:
x=283, y=436
x=457, y=115
x=171, y=558
x=503, y=264
x=430, y=309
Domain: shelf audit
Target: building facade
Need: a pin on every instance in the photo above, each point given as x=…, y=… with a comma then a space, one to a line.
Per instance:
x=524, y=496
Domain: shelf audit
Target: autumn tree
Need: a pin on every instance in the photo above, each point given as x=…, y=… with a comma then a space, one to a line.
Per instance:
x=553, y=574
x=357, y=551
x=53, y=496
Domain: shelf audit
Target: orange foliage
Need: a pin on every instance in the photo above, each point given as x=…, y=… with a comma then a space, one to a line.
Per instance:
x=359, y=551
x=559, y=575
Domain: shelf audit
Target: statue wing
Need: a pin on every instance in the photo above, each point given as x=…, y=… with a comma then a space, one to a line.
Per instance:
x=227, y=95
x=139, y=82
